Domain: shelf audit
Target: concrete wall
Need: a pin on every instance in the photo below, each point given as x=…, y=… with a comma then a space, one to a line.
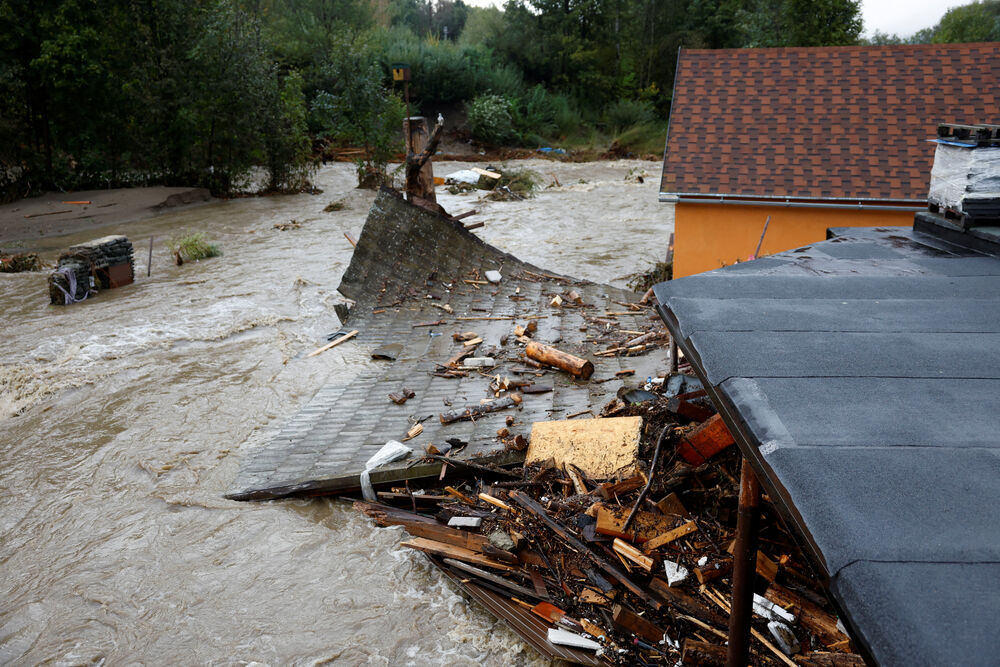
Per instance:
x=708, y=236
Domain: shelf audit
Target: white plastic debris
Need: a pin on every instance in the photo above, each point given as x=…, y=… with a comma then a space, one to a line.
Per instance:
x=703, y=561
x=389, y=452
x=463, y=176
x=465, y=522
x=676, y=573
x=784, y=636
x=566, y=638
x=772, y=612
x=479, y=362
x=493, y=276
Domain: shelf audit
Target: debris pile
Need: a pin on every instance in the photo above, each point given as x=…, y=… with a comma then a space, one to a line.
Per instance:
x=104, y=263
x=612, y=542
x=20, y=262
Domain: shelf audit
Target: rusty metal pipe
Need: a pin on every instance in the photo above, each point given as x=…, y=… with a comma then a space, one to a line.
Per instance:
x=744, y=568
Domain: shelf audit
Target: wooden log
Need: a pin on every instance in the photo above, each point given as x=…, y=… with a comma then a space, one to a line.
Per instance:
x=683, y=602
x=705, y=441
x=811, y=617
x=534, y=508
x=632, y=623
x=450, y=551
x=420, y=145
x=474, y=411
x=702, y=653
x=546, y=354
x=670, y=536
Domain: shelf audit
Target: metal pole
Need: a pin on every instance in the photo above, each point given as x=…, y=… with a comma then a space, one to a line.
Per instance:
x=673, y=355
x=744, y=568
x=149, y=262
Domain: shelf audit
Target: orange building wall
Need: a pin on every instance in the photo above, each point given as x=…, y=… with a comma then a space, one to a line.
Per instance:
x=708, y=236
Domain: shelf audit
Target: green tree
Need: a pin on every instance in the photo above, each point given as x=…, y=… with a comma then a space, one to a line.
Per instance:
x=801, y=23
x=975, y=22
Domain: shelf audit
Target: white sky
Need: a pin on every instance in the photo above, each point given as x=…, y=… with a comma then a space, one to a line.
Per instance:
x=890, y=16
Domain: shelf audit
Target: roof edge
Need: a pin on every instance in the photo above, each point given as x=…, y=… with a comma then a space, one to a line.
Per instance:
x=910, y=205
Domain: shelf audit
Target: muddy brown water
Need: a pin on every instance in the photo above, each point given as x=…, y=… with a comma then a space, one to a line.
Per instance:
x=123, y=422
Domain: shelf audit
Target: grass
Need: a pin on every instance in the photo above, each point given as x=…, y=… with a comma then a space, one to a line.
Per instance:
x=519, y=181
x=192, y=248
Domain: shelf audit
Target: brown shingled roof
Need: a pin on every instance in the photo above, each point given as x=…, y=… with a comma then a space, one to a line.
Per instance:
x=822, y=122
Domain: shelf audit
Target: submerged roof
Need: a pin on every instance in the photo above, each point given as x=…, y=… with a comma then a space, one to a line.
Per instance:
x=409, y=263
x=822, y=122
x=861, y=377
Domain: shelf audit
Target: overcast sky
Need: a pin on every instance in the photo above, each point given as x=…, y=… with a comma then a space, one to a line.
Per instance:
x=890, y=16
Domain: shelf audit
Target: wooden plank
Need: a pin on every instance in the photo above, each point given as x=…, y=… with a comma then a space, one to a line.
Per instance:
x=670, y=536
x=632, y=623
x=453, y=536
x=628, y=551
x=705, y=441
x=811, y=617
x=609, y=490
x=683, y=602
x=343, y=339
x=451, y=551
x=493, y=578
x=600, y=448
x=672, y=505
x=645, y=526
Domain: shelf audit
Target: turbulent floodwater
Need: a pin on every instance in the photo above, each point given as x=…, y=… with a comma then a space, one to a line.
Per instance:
x=123, y=421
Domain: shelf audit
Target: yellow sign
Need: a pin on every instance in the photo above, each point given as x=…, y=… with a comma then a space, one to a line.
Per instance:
x=400, y=73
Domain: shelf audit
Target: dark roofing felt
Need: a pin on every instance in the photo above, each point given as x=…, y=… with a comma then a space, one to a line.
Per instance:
x=406, y=260
x=861, y=376
x=822, y=122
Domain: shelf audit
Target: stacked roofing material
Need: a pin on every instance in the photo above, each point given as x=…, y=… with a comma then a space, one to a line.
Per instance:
x=83, y=269
x=965, y=180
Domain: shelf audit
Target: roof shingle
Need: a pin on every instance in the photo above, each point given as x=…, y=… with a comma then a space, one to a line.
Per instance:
x=822, y=122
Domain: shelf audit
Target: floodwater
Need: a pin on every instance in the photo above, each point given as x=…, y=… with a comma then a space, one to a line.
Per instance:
x=123, y=421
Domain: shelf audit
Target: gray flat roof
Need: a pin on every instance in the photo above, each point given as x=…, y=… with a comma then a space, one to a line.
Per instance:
x=861, y=377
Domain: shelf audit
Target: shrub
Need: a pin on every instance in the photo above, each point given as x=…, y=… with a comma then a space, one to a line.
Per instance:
x=192, y=248
x=626, y=113
x=490, y=119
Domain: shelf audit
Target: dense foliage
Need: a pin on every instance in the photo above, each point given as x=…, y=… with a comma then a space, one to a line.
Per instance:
x=238, y=94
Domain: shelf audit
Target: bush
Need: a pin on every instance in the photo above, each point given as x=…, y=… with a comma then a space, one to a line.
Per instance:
x=192, y=248
x=490, y=119
x=626, y=113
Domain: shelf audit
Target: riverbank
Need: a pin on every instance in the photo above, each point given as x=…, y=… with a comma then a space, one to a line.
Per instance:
x=59, y=213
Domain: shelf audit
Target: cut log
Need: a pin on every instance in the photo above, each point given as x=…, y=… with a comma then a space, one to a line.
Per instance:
x=703, y=654
x=474, y=411
x=712, y=571
x=458, y=553
x=705, y=441
x=420, y=146
x=670, y=536
x=632, y=623
x=811, y=617
x=573, y=365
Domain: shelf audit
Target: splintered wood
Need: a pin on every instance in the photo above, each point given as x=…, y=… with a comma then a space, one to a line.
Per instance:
x=599, y=448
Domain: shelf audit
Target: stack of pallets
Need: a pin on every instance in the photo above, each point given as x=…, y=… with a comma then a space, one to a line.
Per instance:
x=965, y=180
